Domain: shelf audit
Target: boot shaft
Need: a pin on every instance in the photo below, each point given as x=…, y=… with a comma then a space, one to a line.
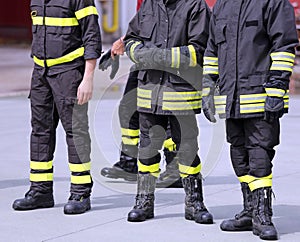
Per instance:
x=247, y=199
x=193, y=189
x=262, y=205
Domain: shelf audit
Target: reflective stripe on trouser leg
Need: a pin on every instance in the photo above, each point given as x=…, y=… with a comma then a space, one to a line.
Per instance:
x=41, y=175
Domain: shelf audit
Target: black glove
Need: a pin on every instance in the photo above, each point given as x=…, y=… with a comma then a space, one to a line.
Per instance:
x=274, y=108
x=151, y=57
x=208, y=107
x=107, y=61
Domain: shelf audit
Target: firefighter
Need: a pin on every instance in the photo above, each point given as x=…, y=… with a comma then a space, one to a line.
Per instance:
x=247, y=65
x=126, y=167
x=66, y=43
x=166, y=39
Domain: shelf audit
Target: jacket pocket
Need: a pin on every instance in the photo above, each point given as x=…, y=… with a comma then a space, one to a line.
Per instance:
x=257, y=80
x=147, y=28
x=220, y=36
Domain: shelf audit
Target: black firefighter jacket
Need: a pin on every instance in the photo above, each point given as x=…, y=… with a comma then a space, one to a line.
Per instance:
x=251, y=43
x=65, y=34
x=181, y=26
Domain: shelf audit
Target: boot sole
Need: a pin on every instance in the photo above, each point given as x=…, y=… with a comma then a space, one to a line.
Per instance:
x=74, y=212
x=257, y=233
x=44, y=205
x=190, y=217
x=126, y=178
x=140, y=220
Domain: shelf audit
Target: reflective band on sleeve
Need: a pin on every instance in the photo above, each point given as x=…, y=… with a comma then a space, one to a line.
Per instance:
x=132, y=48
x=169, y=144
x=205, y=91
x=210, y=70
x=80, y=167
x=144, y=168
x=189, y=170
x=66, y=58
x=275, y=92
x=81, y=179
x=220, y=99
x=86, y=12
x=41, y=177
x=210, y=65
x=283, y=56
x=41, y=165
x=193, y=57
x=282, y=61
x=175, y=56
x=130, y=132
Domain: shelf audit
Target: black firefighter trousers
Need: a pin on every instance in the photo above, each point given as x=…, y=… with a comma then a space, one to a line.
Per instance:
x=54, y=98
x=252, y=145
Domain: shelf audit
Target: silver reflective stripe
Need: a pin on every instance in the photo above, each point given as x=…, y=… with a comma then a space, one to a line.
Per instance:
x=252, y=98
x=182, y=95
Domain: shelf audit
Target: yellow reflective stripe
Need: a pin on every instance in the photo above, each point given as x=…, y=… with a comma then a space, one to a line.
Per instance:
x=182, y=95
x=143, y=103
x=130, y=132
x=286, y=103
x=252, y=108
x=39, y=165
x=80, y=167
x=205, y=91
x=281, y=67
x=144, y=93
x=275, y=92
x=210, y=70
x=132, y=48
x=130, y=141
x=220, y=99
x=41, y=177
x=156, y=174
x=51, y=21
x=81, y=179
x=175, y=57
x=85, y=12
x=246, y=178
x=261, y=182
x=253, y=98
x=283, y=56
x=189, y=170
x=169, y=144
x=220, y=109
x=193, y=56
x=181, y=105
x=66, y=58
x=213, y=61
x=151, y=168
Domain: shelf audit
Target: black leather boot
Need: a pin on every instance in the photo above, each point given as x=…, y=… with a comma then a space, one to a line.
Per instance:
x=243, y=220
x=34, y=199
x=262, y=214
x=144, y=201
x=125, y=168
x=194, y=205
x=170, y=178
x=77, y=204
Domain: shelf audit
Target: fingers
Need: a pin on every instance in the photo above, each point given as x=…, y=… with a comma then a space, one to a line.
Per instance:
x=83, y=97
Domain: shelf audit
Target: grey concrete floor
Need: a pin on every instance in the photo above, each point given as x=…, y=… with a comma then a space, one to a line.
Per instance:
x=112, y=199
